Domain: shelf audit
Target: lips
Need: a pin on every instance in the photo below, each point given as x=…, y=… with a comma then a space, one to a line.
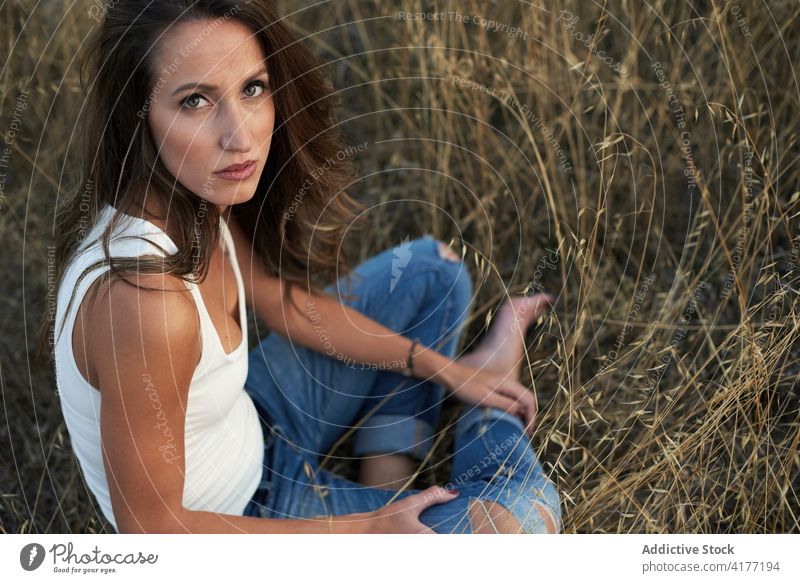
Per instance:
x=236, y=167
x=237, y=172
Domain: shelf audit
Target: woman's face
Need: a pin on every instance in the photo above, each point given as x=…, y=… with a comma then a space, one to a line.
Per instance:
x=211, y=107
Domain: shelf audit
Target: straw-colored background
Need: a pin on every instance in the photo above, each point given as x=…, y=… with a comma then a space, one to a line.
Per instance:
x=668, y=375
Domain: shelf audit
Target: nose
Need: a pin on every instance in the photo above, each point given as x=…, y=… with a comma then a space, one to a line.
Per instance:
x=235, y=134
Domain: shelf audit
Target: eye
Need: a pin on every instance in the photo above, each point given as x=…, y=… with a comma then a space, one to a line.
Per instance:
x=256, y=85
x=187, y=102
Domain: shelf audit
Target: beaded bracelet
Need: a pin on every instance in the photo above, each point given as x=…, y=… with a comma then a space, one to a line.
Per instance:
x=408, y=370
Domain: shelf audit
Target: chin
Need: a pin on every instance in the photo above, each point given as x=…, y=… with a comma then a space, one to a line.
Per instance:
x=244, y=195
x=237, y=197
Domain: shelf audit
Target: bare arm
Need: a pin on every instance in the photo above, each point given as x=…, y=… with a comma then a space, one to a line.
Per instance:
x=338, y=331
x=328, y=326
x=145, y=346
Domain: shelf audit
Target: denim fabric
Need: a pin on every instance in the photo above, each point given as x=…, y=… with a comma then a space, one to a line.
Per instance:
x=309, y=400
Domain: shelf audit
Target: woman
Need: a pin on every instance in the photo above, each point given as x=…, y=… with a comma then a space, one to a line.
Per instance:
x=208, y=186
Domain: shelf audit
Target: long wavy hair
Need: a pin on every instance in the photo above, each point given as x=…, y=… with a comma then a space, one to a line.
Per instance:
x=297, y=218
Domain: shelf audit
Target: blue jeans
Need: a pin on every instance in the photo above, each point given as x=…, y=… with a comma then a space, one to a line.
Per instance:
x=308, y=400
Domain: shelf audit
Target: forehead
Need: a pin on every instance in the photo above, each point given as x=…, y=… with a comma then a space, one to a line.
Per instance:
x=208, y=51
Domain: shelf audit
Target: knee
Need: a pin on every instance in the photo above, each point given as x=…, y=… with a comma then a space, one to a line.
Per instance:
x=447, y=274
x=447, y=252
x=439, y=250
x=519, y=517
x=453, y=272
x=488, y=517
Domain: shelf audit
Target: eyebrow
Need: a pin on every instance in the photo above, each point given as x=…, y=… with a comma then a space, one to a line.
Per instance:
x=210, y=88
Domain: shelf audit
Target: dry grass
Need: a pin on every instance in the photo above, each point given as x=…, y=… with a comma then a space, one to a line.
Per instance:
x=668, y=375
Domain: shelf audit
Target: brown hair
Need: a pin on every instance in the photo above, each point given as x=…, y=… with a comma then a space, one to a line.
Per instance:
x=297, y=217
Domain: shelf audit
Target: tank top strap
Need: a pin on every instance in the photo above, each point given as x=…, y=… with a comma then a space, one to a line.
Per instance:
x=231, y=249
x=211, y=344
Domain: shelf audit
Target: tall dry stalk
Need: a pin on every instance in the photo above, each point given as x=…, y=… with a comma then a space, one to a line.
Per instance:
x=668, y=227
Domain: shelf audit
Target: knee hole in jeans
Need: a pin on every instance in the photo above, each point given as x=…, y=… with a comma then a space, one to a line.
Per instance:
x=446, y=252
x=488, y=517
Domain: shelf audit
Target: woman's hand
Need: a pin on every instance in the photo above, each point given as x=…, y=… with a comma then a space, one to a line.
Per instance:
x=402, y=517
x=488, y=388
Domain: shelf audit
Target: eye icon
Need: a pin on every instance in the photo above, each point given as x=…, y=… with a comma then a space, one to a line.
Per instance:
x=31, y=556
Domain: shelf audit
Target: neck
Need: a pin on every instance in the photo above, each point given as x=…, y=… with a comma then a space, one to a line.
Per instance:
x=155, y=211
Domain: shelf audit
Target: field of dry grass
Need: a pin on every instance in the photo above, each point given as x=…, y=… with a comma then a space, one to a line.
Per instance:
x=638, y=160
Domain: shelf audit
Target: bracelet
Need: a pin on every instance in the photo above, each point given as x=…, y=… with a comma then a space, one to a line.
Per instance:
x=408, y=370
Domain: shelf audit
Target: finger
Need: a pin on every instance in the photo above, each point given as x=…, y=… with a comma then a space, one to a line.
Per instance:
x=515, y=408
x=534, y=413
x=505, y=403
x=519, y=393
x=526, y=397
x=512, y=388
x=429, y=497
x=525, y=401
x=527, y=419
x=530, y=425
x=532, y=408
x=525, y=413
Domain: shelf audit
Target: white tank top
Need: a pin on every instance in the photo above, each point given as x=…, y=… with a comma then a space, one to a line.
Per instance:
x=223, y=440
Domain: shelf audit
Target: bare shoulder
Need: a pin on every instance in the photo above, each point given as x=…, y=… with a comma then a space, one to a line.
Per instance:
x=147, y=345
x=146, y=316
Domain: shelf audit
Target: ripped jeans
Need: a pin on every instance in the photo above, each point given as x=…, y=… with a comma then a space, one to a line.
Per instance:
x=309, y=400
